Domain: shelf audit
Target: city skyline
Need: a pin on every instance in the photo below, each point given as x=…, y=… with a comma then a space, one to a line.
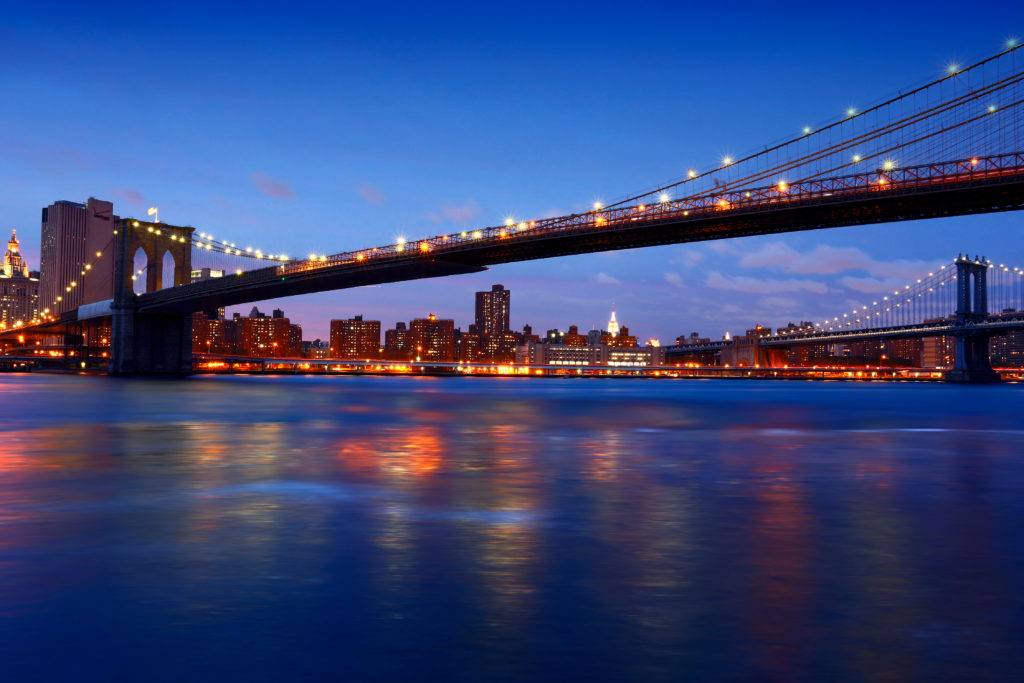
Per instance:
x=348, y=170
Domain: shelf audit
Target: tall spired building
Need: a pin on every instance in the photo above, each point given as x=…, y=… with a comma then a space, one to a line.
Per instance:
x=613, y=324
x=19, y=289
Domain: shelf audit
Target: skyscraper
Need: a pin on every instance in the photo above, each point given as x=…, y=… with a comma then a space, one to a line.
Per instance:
x=19, y=290
x=492, y=310
x=72, y=236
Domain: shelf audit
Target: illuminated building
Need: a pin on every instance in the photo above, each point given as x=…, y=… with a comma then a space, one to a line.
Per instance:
x=432, y=339
x=745, y=351
x=492, y=311
x=1007, y=351
x=613, y=325
x=19, y=290
x=580, y=356
x=355, y=338
x=396, y=343
x=267, y=337
x=468, y=347
x=574, y=338
x=622, y=338
x=72, y=235
x=938, y=352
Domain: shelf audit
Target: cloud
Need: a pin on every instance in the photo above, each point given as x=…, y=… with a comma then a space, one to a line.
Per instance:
x=871, y=285
x=461, y=213
x=432, y=216
x=272, y=187
x=721, y=247
x=372, y=194
x=688, y=258
x=742, y=283
x=128, y=194
x=606, y=279
x=674, y=279
x=220, y=201
x=827, y=260
x=778, y=302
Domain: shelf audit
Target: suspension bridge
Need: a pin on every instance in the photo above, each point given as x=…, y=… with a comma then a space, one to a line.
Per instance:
x=950, y=147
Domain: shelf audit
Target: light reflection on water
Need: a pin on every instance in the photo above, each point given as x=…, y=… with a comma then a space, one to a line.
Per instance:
x=418, y=528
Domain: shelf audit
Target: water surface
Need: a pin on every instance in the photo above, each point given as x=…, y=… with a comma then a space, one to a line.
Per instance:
x=382, y=528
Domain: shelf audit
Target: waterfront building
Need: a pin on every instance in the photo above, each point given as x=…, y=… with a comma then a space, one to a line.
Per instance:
x=71, y=237
x=574, y=338
x=396, y=342
x=19, y=287
x=432, y=339
x=581, y=356
x=492, y=311
x=355, y=338
x=938, y=352
x=1007, y=351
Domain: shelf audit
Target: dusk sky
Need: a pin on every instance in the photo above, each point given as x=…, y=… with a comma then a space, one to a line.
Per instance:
x=298, y=129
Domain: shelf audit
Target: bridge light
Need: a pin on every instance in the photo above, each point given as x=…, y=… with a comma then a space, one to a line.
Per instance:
x=692, y=173
x=726, y=161
x=641, y=208
x=851, y=112
x=1012, y=42
x=522, y=226
x=283, y=257
x=663, y=197
x=509, y=221
x=807, y=130
x=248, y=250
x=360, y=257
x=238, y=272
x=782, y=187
x=856, y=158
x=477, y=234
x=888, y=164
x=597, y=206
x=686, y=213
x=953, y=68
x=424, y=246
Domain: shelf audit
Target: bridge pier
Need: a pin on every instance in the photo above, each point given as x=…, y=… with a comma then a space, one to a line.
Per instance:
x=972, y=360
x=150, y=344
x=147, y=343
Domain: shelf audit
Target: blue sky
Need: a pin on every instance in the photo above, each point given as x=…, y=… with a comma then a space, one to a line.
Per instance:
x=298, y=128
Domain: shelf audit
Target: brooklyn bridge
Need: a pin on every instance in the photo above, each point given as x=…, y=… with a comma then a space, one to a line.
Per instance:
x=951, y=147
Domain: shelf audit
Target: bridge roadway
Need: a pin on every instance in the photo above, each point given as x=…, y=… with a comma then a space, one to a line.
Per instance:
x=955, y=188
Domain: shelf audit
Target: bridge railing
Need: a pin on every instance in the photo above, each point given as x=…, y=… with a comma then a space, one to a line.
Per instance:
x=882, y=180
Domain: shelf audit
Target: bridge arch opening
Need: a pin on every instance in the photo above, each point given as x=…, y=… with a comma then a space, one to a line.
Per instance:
x=140, y=271
x=167, y=269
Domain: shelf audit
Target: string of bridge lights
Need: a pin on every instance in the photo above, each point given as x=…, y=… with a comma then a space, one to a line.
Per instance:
x=45, y=315
x=951, y=71
x=208, y=242
x=847, y=321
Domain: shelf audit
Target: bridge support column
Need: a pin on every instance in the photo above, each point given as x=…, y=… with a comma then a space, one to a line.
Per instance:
x=144, y=343
x=150, y=343
x=972, y=361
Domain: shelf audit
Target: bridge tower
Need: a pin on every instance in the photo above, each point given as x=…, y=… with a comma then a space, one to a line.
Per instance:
x=972, y=359
x=141, y=342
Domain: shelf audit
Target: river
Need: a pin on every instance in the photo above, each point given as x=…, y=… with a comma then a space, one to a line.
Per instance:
x=401, y=528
